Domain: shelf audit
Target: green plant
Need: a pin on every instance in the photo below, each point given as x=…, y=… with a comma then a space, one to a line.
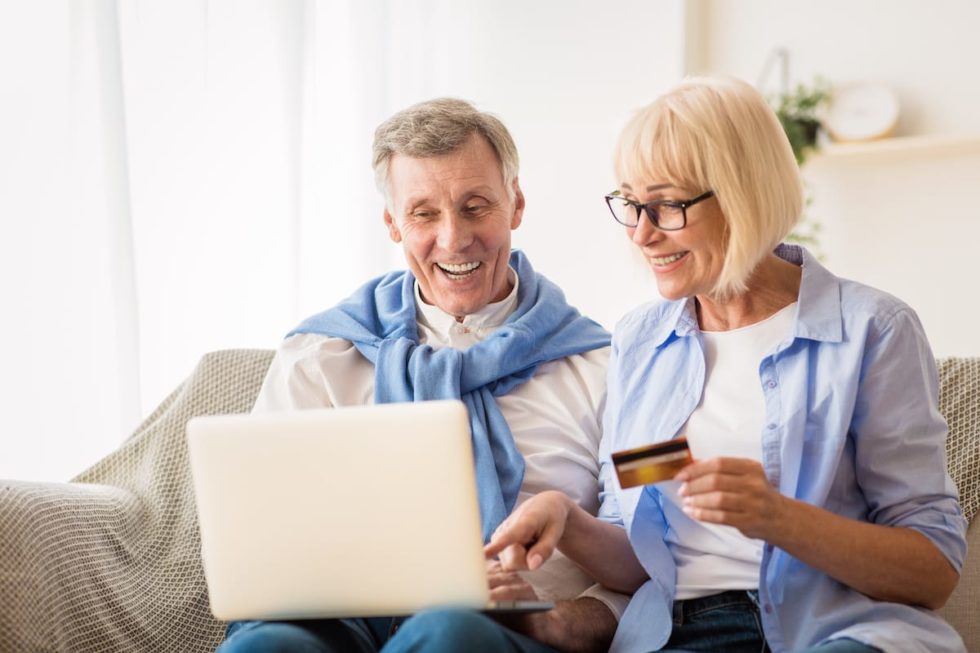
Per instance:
x=799, y=114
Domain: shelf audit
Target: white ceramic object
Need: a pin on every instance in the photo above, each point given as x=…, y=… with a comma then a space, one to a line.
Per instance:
x=861, y=112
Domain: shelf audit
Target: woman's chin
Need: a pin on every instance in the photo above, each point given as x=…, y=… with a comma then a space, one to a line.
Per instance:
x=671, y=291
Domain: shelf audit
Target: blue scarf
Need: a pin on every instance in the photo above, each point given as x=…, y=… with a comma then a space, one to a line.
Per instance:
x=380, y=320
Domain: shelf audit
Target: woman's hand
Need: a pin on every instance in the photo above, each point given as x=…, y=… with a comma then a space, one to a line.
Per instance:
x=734, y=492
x=886, y=563
x=530, y=535
x=551, y=520
x=508, y=585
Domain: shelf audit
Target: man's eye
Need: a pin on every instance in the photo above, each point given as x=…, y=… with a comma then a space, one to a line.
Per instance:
x=475, y=209
x=423, y=215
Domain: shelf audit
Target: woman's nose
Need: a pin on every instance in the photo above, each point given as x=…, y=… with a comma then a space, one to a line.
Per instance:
x=644, y=232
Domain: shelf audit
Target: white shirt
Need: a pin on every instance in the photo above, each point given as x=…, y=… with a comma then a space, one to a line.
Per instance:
x=728, y=422
x=555, y=416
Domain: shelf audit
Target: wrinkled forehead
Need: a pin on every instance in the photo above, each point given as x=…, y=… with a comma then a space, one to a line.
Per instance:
x=475, y=168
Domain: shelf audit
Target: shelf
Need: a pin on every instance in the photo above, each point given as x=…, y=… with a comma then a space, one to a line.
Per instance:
x=897, y=148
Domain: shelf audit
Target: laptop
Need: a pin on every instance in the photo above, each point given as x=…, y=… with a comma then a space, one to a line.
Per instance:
x=343, y=512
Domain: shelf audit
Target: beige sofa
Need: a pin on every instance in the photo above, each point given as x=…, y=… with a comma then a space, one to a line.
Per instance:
x=111, y=561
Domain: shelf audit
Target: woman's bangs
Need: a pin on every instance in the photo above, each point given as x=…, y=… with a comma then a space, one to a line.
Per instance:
x=651, y=149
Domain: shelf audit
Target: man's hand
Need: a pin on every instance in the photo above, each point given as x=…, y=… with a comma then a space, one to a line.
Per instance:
x=580, y=626
x=734, y=492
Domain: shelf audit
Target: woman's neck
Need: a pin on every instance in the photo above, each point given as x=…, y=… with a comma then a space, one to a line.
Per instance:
x=773, y=285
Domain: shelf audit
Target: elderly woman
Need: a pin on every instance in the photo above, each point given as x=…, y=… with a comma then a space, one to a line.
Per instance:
x=817, y=513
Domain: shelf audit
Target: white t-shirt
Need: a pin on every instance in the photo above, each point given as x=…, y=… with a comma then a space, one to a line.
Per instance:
x=555, y=417
x=728, y=422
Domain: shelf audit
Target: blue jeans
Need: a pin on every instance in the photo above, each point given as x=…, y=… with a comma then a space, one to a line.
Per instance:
x=430, y=630
x=730, y=622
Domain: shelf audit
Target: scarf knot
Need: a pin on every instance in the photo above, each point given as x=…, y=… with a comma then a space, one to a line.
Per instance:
x=380, y=320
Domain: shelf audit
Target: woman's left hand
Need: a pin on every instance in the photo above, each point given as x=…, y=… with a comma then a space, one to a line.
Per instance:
x=734, y=492
x=508, y=585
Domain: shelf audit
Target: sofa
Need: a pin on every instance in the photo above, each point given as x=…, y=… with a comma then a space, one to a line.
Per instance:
x=111, y=560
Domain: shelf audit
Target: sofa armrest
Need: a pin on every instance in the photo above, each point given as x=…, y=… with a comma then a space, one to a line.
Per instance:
x=58, y=542
x=76, y=574
x=961, y=609
x=112, y=561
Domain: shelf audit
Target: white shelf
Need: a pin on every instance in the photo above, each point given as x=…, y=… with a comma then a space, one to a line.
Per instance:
x=897, y=148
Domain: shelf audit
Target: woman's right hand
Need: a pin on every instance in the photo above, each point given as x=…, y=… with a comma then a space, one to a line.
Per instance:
x=531, y=533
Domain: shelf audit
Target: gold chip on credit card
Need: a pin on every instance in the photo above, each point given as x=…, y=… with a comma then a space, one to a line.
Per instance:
x=651, y=464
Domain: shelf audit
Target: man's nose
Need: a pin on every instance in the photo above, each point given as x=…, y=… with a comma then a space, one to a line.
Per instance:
x=455, y=233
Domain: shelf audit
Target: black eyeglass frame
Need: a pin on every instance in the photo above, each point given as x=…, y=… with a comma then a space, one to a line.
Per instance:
x=650, y=208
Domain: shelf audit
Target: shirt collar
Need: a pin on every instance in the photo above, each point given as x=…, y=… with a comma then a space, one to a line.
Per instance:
x=490, y=316
x=681, y=320
x=819, y=314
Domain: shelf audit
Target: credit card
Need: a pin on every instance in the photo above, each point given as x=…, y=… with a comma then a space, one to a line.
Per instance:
x=651, y=464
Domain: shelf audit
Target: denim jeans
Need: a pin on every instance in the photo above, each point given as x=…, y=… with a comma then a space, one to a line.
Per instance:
x=431, y=630
x=730, y=622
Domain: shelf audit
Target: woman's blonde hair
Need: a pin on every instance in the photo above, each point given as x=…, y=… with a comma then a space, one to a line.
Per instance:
x=718, y=133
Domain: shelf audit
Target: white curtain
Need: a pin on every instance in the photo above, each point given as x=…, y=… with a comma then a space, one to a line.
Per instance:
x=180, y=176
x=66, y=268
x=177, y=177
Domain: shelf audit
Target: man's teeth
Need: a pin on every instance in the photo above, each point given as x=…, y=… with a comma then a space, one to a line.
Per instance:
x=664, y=260
x=458, y=270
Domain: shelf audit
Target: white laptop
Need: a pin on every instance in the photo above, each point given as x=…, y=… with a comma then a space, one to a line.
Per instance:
x=363, y=511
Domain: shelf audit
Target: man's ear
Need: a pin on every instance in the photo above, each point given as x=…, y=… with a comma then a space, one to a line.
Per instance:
x=515, y=221
x=393, y=233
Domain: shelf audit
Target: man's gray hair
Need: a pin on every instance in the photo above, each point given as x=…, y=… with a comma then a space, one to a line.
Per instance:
x=438, y=127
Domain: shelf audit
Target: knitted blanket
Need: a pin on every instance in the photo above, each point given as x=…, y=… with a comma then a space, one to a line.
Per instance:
x=112, y=560
x=959, y=402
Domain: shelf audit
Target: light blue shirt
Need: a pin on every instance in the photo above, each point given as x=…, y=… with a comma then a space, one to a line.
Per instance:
x=852, y=425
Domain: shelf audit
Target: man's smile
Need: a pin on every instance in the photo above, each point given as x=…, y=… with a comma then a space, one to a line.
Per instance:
x=458, y=270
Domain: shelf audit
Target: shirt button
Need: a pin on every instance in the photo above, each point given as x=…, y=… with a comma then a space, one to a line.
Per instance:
x=771, y=427
x=771, y=384
x=768, y=608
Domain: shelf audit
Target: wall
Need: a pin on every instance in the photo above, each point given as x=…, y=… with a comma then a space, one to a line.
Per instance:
x=904, y=221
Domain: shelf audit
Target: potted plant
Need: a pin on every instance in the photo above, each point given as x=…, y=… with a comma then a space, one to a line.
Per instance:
x=798, y=112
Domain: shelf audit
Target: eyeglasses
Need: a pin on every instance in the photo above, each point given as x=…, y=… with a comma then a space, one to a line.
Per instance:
x=666, y=215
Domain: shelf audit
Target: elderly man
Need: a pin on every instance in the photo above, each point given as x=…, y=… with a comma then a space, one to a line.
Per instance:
x=472, y=320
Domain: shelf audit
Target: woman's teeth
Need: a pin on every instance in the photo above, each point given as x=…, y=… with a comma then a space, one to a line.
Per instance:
x=664, y=260
x=458, y=270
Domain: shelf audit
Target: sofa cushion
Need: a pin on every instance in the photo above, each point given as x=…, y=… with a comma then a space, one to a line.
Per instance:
x=959, y=402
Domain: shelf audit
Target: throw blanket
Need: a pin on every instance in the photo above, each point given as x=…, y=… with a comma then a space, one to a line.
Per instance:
x=112, y=560
x=380, y=320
